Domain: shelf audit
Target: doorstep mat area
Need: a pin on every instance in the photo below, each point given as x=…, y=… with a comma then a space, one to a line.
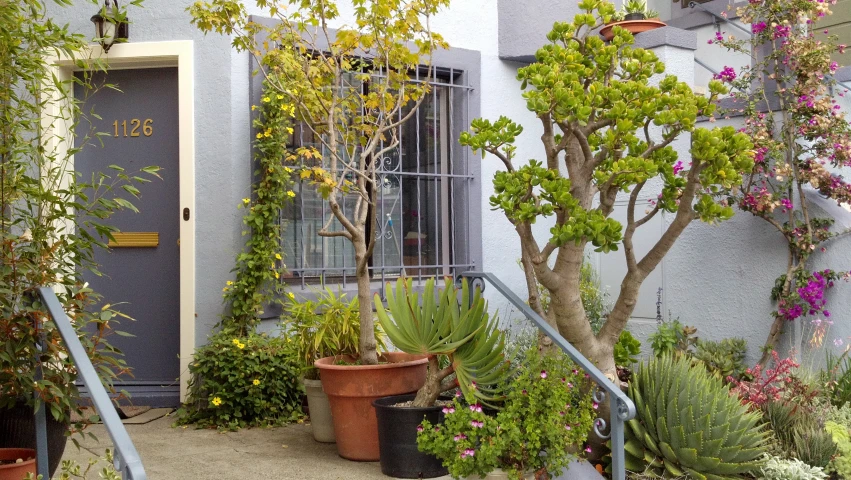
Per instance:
x=130, y=415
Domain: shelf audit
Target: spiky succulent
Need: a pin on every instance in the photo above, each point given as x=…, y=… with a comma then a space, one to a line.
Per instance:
x=687, y=423
x=448, y=324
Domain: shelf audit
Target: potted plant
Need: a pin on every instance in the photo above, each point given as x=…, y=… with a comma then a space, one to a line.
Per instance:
x=547, y=409
x=350, y=89
x=459, y=337
x=17, y=463
x=324, y=327
x=51, y=220
x=634, y=17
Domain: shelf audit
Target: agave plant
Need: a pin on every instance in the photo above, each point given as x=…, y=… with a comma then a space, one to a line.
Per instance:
x=687, y=423
x=442, y=325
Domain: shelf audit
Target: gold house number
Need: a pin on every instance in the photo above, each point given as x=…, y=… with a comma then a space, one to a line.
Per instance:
x=147, y=127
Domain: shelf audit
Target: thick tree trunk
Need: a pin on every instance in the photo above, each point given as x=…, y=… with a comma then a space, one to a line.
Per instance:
x=427, y=395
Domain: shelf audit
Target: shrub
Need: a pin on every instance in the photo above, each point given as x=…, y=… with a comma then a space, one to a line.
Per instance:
x=777, y=468
x=841, y=464
x=813, y=445
x=672, y=337
x=687, y=423
x=767, y=385
x=546, y=410
x=243, y=382
x=324, y=327
x=723, y=359
x=627, y=349
x=837, y=377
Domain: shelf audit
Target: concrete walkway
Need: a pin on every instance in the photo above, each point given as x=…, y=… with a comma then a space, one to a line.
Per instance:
x=282, y=453
x=257, y=453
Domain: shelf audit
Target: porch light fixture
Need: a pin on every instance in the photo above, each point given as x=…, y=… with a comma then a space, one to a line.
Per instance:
x=108, y=28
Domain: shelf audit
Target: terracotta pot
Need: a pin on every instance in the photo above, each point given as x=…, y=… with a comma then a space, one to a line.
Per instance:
x=634, y=27
x=320, y=412
x=16, y=471
x=351, y=390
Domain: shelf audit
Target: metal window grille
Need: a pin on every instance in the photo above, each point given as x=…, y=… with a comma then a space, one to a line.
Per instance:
x=423, y=201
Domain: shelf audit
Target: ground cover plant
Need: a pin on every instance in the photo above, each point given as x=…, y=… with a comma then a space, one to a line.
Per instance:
x=546, y=408
x=608, y=129
x=801, y=137
x=347, y=89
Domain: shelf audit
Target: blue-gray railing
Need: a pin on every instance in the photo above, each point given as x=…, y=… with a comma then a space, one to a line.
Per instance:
x=126, y=458
x=621, y=407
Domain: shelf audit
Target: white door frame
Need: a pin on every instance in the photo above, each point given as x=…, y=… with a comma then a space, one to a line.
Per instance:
x=151, y=55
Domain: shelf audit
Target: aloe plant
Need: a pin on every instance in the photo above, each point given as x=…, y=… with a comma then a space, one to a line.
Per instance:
x=687, y=423
x=442, y=325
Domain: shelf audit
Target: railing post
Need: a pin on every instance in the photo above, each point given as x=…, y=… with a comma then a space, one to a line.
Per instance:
x=617, y=433
x=40, y=411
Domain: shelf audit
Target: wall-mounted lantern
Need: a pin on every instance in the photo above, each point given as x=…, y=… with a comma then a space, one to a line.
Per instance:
x=110, y=26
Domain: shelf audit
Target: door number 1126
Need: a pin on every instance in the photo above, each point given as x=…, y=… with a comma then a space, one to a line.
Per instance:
x=147, y=127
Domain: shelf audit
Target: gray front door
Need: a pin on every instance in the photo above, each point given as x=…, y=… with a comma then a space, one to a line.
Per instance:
x=142, y=268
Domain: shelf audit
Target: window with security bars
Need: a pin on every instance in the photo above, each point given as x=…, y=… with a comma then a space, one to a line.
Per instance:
x=421, y=199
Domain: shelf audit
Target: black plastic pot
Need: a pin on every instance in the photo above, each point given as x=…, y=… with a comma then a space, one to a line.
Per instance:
x=634, y=16
x=397, y=439
x=17, y=430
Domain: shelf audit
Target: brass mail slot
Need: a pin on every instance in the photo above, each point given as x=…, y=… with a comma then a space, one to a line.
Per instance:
x=135, y=239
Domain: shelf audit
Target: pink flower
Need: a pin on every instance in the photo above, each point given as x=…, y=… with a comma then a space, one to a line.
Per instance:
x=567, y=427
x=419, y=428
x=460, y=437
x=678, y=167
x=468, y=453
x=569, y=385
x=543, y=374
x=475, y=407
x=758, y=28
x=448, y=410
x=588, y=449
x=477, y=424
x=595, y=405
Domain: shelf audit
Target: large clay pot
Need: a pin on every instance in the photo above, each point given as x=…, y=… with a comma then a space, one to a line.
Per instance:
x=16, y=471
x=17, y=430
x=320, y=412
x=634, y=27
x=351, y=390
x=397, y=438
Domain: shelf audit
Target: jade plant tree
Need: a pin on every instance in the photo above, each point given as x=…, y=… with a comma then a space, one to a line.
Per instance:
x=456, y=333
x=350, y=89
x=609, y=120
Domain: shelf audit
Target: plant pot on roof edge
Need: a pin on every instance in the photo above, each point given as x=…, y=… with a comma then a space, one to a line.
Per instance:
x=633, y=26
x=455, y=329
x=10, y=469
x=352, y=388
x=17, y=430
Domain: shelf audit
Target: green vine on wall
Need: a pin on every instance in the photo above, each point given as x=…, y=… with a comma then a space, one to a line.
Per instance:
x=260, y=265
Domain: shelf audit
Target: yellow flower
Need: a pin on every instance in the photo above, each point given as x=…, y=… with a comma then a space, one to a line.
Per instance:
x=280, y=97
x=259, y=135
x=246, y=201
x=217, y=401
x=277, y=275
x=290, y=130
x=291, y=194
x=278, y=256
x=288, y=169
x=256, y=382
x=229, y=282
x=253, y=107
x=291, y=295
x=240, y=345
x=265, y=99
x=235, y=341
x=225, y=289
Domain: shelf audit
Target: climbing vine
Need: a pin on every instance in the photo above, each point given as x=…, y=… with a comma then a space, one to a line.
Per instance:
x=261, y=263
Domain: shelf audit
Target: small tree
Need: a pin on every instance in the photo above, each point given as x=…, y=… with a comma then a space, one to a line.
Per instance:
x=607, y=131
x=349, y=89
x=799, y=133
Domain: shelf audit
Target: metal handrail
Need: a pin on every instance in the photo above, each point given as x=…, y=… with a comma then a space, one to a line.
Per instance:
x=126, y=458
x=624, y=409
